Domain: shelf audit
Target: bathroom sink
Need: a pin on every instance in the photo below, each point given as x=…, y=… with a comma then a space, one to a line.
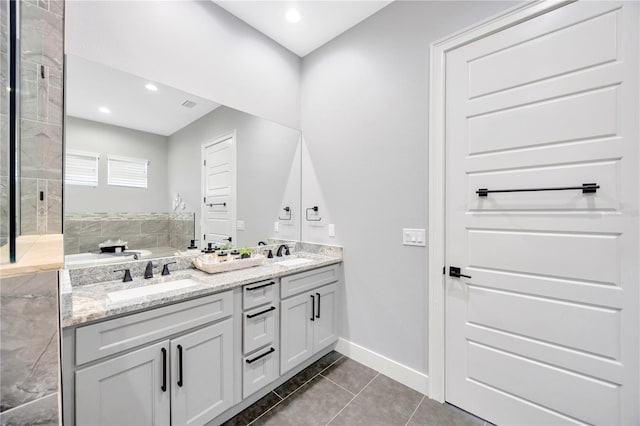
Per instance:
x=149, y=290
x=294, y=262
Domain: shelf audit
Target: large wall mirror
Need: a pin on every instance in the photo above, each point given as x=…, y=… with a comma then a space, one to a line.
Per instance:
x=148, y=168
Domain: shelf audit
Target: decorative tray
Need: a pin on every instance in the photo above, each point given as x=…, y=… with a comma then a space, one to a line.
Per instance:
x=211, y=264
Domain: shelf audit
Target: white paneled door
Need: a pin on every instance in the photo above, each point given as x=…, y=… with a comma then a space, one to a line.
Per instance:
x=219, y=191
x=545, y=329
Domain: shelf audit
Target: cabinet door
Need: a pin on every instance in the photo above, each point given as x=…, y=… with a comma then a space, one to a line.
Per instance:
x=128, y=390
x=202, y=374
x=259, y=328
x=325, y=326
x=296, y=331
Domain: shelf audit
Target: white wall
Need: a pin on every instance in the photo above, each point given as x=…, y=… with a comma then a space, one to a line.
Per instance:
x=365, y=125
x=268, y=171
x=86, y=135
x=194, y=46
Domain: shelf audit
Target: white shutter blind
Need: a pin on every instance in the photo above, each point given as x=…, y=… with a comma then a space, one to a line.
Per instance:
x=81, y=168
x=126, y=171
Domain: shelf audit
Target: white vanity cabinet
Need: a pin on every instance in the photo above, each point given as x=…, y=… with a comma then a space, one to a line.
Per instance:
x=128, y=390
x=186, y=379
x=308, y=315
x=259, y=331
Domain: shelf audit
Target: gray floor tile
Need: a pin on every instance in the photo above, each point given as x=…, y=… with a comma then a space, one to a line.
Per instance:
x=384, y=402
x=315, y=403
x=350, y=374
x=254, y=411
x=308, y=373
x=431, y=412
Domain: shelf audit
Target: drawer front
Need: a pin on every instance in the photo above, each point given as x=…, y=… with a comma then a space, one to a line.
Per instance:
x=259, y=369
x=259, y=293
x=110, y=337
x=304, y=281
x=259, y=327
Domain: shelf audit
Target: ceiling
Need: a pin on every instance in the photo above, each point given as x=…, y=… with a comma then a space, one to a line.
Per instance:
x=91, y=86
x=320, y=21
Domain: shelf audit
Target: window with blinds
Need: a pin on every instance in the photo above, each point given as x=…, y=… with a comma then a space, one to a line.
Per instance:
x=81, y=168
x=127, y=171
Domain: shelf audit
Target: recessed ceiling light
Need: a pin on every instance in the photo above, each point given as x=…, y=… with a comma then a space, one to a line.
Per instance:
x=104, y=110
x=151, y=87
x=292, y=16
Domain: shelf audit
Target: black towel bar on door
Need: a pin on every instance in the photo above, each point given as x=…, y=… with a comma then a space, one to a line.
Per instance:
x=586, y=188
x=217, y=204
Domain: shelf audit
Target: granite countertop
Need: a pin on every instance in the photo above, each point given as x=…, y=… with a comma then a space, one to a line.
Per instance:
x=90, y=302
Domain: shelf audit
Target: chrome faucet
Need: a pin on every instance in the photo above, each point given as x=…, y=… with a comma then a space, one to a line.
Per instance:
x=148, y=271
x=279, y=252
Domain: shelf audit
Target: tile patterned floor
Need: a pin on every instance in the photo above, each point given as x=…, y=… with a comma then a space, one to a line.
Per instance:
x=337, y=390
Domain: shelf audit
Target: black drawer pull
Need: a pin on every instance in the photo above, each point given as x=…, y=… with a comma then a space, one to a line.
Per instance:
x=164, y=370
x=261, y=286
x=313, y=308
x=249, y=361
x=318, y=313
x=273, y=308
x=180, y=382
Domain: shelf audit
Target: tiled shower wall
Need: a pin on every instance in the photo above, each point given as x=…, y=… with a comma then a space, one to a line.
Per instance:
x=29, y=336
x=84, y=231
x=41, y=116
x=28, y=304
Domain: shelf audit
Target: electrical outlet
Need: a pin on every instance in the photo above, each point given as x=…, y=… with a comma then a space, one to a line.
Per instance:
x=240, y=225
x=413, y=237
x=276, y=226
x=332, y=230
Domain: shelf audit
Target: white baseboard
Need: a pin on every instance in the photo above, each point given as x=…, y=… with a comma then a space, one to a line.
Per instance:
x=398, y=372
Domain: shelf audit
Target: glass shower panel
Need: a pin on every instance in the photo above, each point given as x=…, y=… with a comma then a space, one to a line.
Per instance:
x=4, y=131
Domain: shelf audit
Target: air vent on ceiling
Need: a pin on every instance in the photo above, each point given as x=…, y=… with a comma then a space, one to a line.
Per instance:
x=188, y=104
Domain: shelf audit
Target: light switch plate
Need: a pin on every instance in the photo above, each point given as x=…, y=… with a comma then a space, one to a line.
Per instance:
x=240, y=225
x=332, y=230
x=276, y=226
x=413, y=237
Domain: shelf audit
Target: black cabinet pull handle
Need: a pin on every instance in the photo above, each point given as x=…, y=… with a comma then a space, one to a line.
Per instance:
x=249, y=361
x=261, y=286
x=180, y=382
x=164, y=370
x=273, y=308
x=313, y=308
x=318, y=313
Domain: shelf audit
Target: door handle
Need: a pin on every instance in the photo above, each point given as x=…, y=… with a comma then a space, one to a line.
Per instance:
x=318, y=313
x=313, y=308
x=454, y=272
x=180, y=382
x=164, y=370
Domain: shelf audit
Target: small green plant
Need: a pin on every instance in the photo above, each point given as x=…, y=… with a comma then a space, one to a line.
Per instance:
x=226, y=246
x=245, y=252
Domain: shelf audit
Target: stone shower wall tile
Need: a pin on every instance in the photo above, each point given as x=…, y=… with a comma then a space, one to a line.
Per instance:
x=28, y=304
x=29, y=335
x=41, y=78
x=43, y=411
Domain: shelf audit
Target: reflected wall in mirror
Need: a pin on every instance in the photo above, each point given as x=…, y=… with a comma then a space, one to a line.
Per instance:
x=151, y=168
